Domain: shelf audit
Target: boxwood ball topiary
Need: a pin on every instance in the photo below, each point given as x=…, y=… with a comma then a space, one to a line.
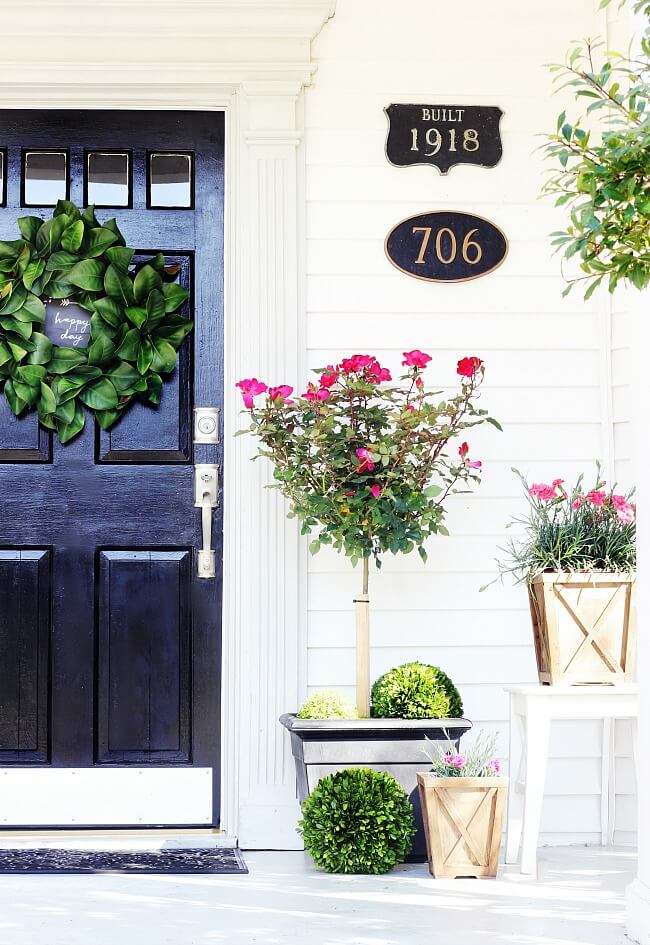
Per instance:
x=415, y=691
x=357, y=821
x=327, y=704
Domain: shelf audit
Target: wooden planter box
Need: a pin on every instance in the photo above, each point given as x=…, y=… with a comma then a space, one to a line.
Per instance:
x=463, y=820
x=584, y=626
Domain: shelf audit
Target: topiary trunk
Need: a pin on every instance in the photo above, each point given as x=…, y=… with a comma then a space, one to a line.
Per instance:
x=362, y=616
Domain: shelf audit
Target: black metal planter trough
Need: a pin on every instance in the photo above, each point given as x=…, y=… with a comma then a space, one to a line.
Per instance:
x=323, y=746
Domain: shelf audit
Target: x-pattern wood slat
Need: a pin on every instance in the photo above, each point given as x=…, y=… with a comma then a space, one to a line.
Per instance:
x=447, y=804
x=590, y=633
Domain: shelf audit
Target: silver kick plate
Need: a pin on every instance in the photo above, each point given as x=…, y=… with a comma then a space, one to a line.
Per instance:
x=206, y=424
x=206, y=498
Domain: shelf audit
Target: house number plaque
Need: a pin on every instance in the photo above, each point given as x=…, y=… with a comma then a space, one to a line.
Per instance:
x=443, y=135
x=446, y=246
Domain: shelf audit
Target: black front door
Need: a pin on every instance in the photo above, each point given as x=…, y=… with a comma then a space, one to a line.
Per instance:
x=109, y=641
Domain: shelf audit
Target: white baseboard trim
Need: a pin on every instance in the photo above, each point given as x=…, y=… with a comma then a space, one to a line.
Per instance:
x=269, y=826
x=638, y=912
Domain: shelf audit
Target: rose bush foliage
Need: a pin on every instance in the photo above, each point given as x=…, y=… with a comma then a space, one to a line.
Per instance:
x=365, y=461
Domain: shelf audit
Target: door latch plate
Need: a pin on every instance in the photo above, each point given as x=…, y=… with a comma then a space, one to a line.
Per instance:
x=206, y=479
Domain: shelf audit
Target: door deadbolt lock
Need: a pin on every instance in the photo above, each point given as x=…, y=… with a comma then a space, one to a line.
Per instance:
x=206, y=424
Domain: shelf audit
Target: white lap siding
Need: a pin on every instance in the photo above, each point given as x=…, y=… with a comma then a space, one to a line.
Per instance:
x=549, y=360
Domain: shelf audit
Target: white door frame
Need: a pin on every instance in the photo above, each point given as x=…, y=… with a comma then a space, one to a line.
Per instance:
x=259, y=62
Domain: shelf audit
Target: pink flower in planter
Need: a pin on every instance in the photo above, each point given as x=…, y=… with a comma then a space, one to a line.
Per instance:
x=329, y=377
x=558, y=482
x=376, y=490
x=618, y=501
x=455, y=761
x=283, y=392
x=365, y=463
x=468, y=367
x=495, y=765
x=577, y=502
x=543, y=492
x=463, y=450
x=250, y=388
x=596, y=496
x=626, y=513
x=416, y=358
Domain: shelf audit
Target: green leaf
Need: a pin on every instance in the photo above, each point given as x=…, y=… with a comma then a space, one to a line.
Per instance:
x=5, y=353
x=164, y=357
x=15, y=301
x=23, y=329
x=49, y=234
x=314, y=546
x=65, y=359
x=120, y=256
x=33, y=310
x=87, y=274
x=146, y=279
x=47, y=402
x=32, y=272
x=118, y=285
x=72, y=237
x=29, y=227
x=68, y=208
x=136, y=315
x=66, y=410
x=432, y=491
x=123, y=376
x=112, y=225
x=100, y=350
x=154, y=388
x=175, y=295
x=26, y=392
x=61, y=261
x=106, y=418
x=174, y=333
x=31, y=374
x=100, y=395
x=155, y=309
x=67, y=431
x=128, y=349
x=109, y=310
x=16, y=403
x=42, y=350
x=57, y=289
x=145, y=356
x=98, y=241
x=17, y=350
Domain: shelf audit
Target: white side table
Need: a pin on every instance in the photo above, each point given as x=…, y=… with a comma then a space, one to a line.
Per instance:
x=532, y=708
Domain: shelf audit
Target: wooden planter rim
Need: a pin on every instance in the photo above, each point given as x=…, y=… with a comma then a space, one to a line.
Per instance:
x=429, y=780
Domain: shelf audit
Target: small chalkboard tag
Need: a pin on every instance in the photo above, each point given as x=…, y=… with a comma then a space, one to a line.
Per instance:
x=66, y=323
x=446, y=246
x=443, y=135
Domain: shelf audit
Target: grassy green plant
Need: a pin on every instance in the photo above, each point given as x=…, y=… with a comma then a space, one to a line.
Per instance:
x=357, y=821
x=478, y=762
x=328, y=704
x=572, y=530
x=415, y=691
x=602, y=160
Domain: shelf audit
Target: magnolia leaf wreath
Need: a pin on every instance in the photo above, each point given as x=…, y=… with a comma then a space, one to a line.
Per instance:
x=135, y=325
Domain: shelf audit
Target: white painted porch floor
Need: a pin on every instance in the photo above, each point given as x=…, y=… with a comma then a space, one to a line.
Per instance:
x=577, y=900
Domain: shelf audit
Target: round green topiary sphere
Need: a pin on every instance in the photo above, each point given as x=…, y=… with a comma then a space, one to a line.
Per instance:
x=357, y=821
x=327, y=704
x=415, y=691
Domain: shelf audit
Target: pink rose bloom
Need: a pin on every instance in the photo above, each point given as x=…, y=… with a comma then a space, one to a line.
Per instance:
x=625, y=513
x=283, y=391
x=365, y=463
x=410, y=407
x=376, y=373
x=419, y=382
x=329, y=376
x=463, y=450
x=467, y=367
x=596, y=497
x=543, y=492
x=376, y=490
x=415, y=358
x=356, y=363
x=316, y=393
x=250, y=388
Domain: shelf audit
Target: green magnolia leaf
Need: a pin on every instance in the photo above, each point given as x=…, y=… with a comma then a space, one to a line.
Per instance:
x=88, y=216
x=128, y=349
x=72, y=237
x=98, y=241
x=110, y=311
x=18, y=349
x=118, y=285
x=57, y=289
x=145, y=356
x=155, y=309
x=99, y=328
x=5, y=353
x=33, y=310
x=175, y=295
x=100, y=395
x=87, y=274
x=15, y=301
x=49, y=235
x=146, y=279
x=112, y=225
x=32, y=272
x=164, y=357
x=106, y=418
x=67, y=431
x=16, y=403
x=61, y=261
x=65, y=359
x=174, y=334
x=23, y=329
x=136, y=315
x=100, y=350
x=66, y=410
x=154, y=388
x=42, y=350
x=29, y=227
x=68, y=208
x=120, y=256
x=10, y=248
x=26, y=392
x=76, y=379
x=31, y=374
x=47, y=402
x=123, y=376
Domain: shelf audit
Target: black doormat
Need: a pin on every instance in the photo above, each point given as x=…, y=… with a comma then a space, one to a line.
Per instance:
x=168, y=860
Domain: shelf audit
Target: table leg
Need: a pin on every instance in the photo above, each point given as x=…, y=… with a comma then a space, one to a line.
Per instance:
x=516, y=790
x=538, y=726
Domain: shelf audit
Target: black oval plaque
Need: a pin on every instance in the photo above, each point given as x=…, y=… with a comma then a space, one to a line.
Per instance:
x=446, y=246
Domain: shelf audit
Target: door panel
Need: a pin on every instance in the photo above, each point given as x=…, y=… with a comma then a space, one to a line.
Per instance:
x=109, y=643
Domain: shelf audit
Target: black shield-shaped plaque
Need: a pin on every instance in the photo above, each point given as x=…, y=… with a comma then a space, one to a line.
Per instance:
x=66, y=323
x=443, y=135
x=446, y=246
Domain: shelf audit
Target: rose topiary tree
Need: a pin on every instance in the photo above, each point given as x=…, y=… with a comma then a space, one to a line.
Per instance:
x=364, y=461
